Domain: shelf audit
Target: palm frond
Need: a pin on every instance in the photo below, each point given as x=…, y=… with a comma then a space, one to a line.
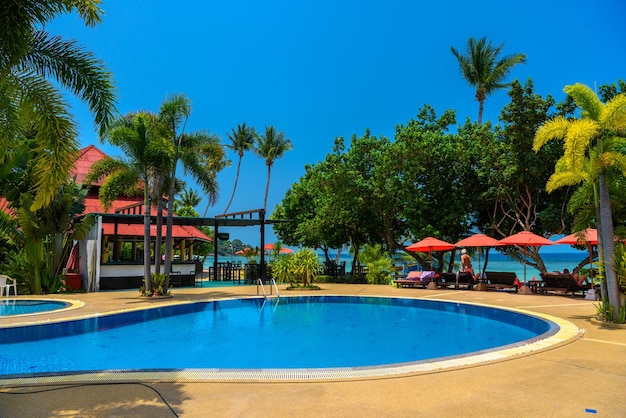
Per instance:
x=77, y=70
x=553, y=129
x=613, y=116
x=586, y=100
x=578, y=139
x=562, y=179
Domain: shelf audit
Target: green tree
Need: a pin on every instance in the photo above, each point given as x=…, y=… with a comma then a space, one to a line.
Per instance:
x=147, y=151
x=593, y=145
x=483, y=68
x=271, y=146
x=36, y=68
x=512, y=177
x=241, y=140
x=200, y=153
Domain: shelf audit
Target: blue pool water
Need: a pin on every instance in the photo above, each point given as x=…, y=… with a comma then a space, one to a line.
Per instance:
x=24, y=306
x=293, y=332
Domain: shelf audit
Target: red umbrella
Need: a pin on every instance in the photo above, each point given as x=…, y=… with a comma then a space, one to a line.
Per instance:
x=526, y=239
x=283, y=250
x=429, y=245
x=478, y=240
x=587, y=237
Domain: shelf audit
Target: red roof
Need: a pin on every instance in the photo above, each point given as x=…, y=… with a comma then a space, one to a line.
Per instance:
x=86, y=158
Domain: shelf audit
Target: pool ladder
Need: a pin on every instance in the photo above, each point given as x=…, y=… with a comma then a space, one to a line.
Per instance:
x=272, y=284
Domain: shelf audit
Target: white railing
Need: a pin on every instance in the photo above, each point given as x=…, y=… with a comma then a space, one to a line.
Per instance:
x=272, y=284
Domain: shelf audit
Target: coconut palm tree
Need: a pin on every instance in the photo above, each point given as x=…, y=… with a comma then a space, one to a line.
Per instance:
x=189, y=198
x=200, y=153
x=241, y=140
x=147, y=153
x=35, y=70
x=593, y=144
x=271, y=146
x=483, y=69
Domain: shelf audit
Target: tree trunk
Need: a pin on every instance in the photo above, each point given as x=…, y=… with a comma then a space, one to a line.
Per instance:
x=608, y=240
x=146, y=242
x=234, y=188
x=158, y=238
x=267, y=186
x=170, y=223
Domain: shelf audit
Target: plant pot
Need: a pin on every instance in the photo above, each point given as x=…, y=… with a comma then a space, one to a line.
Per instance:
x=73, y=281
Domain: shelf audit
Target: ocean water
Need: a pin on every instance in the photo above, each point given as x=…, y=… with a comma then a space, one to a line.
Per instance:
x=497, y=262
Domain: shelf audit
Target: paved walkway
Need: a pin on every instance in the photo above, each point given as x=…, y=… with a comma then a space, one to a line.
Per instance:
x=582, y=377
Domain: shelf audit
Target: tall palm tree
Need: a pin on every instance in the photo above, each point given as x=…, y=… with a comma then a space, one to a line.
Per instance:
x=201, y=154
x=241, y=140
x=35, y=69
x=483, y=70
x=147, y=152
x=271, y=146
x=593, y=144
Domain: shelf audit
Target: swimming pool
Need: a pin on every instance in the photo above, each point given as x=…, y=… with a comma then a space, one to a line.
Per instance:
x=341, y=336
x=10, y=307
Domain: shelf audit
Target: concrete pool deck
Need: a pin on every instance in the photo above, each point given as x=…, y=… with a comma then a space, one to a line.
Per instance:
x=586, y=375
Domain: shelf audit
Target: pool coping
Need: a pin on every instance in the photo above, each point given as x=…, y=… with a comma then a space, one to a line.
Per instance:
x=567, y=332
x=71, y=305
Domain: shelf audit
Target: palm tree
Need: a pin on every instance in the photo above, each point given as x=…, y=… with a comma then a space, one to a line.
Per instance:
x=593, y=144
x=147, y=153
x=201, y=154
x=241, y=141
x=189, y=198
x=483, y=70
x=271, y=146
x=35, y=69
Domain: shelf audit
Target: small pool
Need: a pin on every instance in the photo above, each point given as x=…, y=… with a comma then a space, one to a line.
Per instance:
x=10, y=307
x=240, y=337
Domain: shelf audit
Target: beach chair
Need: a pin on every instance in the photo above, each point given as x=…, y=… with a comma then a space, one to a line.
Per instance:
x=502, y=280
x=6, y=287
x=449, y=279
x=414, y=279
x=561, y=283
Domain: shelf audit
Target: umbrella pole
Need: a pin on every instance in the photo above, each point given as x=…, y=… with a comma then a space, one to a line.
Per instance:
x=524, y=264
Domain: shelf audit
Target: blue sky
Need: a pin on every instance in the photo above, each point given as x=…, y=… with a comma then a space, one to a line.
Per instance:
x=323, y=69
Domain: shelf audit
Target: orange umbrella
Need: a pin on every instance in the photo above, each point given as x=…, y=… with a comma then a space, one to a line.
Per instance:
x=526, y=239
x=283, y=250
x=478, y=240
x=429, y=245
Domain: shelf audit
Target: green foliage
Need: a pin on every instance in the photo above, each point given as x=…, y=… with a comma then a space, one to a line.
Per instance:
x=36, y=70
x=379, y=264
x=620, y=266
x=157, y=281
x=378, y=191
x=305, y=265
x=283, y=269
x=43, y=238
x=605, y=311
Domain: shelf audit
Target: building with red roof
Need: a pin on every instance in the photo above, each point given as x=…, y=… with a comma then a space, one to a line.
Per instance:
x=118, y=245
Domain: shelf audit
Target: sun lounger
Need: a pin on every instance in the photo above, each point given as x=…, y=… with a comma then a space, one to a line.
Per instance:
x=502, y=280
x=415, y=279
x=561, y=282
x=449, y=279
